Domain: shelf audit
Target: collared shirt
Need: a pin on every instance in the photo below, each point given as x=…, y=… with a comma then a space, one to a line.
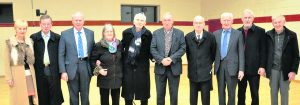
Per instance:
x=223, y=34
x=198, y=34
x=46, y=38
x=168, y=41
x=278, y=39
x=84, y=42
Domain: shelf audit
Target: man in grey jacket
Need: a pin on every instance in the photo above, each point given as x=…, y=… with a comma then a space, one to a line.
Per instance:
x=74, y=49
x=229, y=61
x=167, y=48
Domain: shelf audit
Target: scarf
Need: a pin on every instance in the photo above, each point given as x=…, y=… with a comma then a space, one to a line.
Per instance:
x=111, y=46
x=135, y=45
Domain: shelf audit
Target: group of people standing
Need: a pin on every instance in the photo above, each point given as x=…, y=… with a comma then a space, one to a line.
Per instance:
x=37, y=64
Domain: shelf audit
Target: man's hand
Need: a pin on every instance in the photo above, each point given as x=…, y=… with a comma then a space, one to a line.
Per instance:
x=64, y=76
x=241, y=75
x=166, y=61
x=262, y=72
x=10, y=83
x=291, y=76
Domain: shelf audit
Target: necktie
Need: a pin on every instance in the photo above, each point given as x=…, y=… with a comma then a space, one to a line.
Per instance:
x=198, y=37
x=46, y=55
x=224, y=45
x=80, y=46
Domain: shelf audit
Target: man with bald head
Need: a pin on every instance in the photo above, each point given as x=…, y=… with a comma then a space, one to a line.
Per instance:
x=255, y=57
x=282, y=59
x=229, y=60
x=167, y=48
x=200, y=52
x=74, y=49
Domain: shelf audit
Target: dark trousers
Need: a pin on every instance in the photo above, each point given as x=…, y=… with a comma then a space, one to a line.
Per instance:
x=161, y=81
x=81, y=83
x=49, y=90
x=204, y=87
x=254, y=88
x=224, y=79
x=129, y=102
x=115, y=95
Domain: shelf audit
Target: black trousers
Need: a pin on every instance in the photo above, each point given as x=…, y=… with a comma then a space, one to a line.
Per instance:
x=254, y=88
x=129, y=102
x=204, y=87
x=161, y=81
x=115, y=95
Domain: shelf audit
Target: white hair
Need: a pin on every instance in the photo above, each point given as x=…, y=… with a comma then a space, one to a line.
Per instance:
x=248, y=11
x=278, y=17
x=77, y=14
x=167, y=15
x=198, y=17
x=227, y=14
x=141, y=15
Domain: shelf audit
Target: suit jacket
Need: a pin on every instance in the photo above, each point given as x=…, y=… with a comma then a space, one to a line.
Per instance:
x=255, y=49
x=235, y=54
x=177, y=49
x=39, y=48
x=290, y=54
x=68, y=56
x=200, y=56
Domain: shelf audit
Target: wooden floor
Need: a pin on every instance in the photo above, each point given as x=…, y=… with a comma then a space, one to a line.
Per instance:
x=183, y=95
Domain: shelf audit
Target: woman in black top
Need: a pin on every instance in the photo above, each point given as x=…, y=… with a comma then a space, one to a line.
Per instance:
x=109, y=71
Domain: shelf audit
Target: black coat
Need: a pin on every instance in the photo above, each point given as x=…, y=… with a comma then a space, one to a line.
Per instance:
x=39, y=48
x=200, y=56
x=290, y=54
x=255, y=49
x=110, y=61
x=136, y=82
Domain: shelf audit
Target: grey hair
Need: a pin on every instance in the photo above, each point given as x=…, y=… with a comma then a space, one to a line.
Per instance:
x=248, y=11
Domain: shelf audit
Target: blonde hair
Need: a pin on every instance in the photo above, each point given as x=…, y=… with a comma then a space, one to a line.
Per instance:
x=107, y=26
x=20, y=23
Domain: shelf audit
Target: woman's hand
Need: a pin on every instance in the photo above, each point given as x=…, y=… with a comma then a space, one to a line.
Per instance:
x=10, y=83
x=98, y=63
x=103, y=72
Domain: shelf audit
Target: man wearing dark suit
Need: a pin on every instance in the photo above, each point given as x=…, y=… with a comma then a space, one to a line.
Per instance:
x=229, y=61
x=255, y=57
x=46, y=63
x=167, y=48
x=282, y=59
x=74, y=49
x=200, y=52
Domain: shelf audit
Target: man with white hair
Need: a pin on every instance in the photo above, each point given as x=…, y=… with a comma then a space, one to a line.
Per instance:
x=229, y=61
x=136, y=43
x=75, y=47
x=167, y=48
x=282, y=59
x=255, y=57
x=200, y=53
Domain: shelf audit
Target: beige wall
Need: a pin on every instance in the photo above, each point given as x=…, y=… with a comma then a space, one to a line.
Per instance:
x=93, y=10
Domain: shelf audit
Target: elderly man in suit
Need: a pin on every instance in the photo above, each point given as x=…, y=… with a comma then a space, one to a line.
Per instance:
x=229, y=61
x=75, y=48
x=46, y=63
x=200, y=52
x=282, y=59
x=167, y=48
x=255, y=57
